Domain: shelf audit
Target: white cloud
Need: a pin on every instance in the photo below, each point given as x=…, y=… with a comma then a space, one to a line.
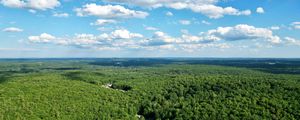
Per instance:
x=124, y=34
x=160, y=39
x=124, y=39
x=260, y=10
x=13, y=3
x=43, y=38
x=216, y=12
x=169, y=13
x=235, y=33
x=185, y=22
x=191, y=38
x=79, y=40
x=115, y=38
x=292, y=41
x=244, y=32
x=63, y=15
x=195, y=39
x=161, y=36
x=295, y=25
x=12, y=29
x=31, y=4
x=205, y=7
x=83, y=40
x=102, y=22
x=109, y=11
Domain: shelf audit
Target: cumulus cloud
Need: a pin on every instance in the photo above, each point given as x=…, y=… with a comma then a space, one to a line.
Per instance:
x=82, y=40
x=88, y=40
x=124, y=39
x=43, y=38
x=235, y=33
x=215, y=12
x=124, y=34
x=260, y=10
x=109, y=11
x=187, y=38
x=12, y=29
x=161, y=38
x=191, y=38
x=31, y=4
x=205, y=7
x=244, y=32
x=102, y=22
x=62, y=15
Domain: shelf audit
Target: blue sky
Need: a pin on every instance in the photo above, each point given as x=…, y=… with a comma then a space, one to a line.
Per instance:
x=143, y=28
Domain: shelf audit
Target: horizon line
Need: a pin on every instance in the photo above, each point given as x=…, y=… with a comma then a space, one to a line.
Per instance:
x=151, y=58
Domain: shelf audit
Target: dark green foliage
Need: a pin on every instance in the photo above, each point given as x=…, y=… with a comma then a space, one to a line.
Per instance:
x=121, y=87
x=196, y=99
x=170, y=89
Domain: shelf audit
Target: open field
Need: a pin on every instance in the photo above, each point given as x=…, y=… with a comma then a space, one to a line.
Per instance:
x=149, y=89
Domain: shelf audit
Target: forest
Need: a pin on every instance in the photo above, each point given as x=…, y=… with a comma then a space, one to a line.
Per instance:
x=150, y=89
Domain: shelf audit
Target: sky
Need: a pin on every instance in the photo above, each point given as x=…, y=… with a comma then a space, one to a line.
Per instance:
x=149, y=28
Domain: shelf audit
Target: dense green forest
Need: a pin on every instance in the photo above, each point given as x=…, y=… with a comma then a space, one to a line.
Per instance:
x=171, y=88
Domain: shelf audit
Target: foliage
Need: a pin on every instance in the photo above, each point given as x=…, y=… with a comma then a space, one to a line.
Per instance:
x=171, y=89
